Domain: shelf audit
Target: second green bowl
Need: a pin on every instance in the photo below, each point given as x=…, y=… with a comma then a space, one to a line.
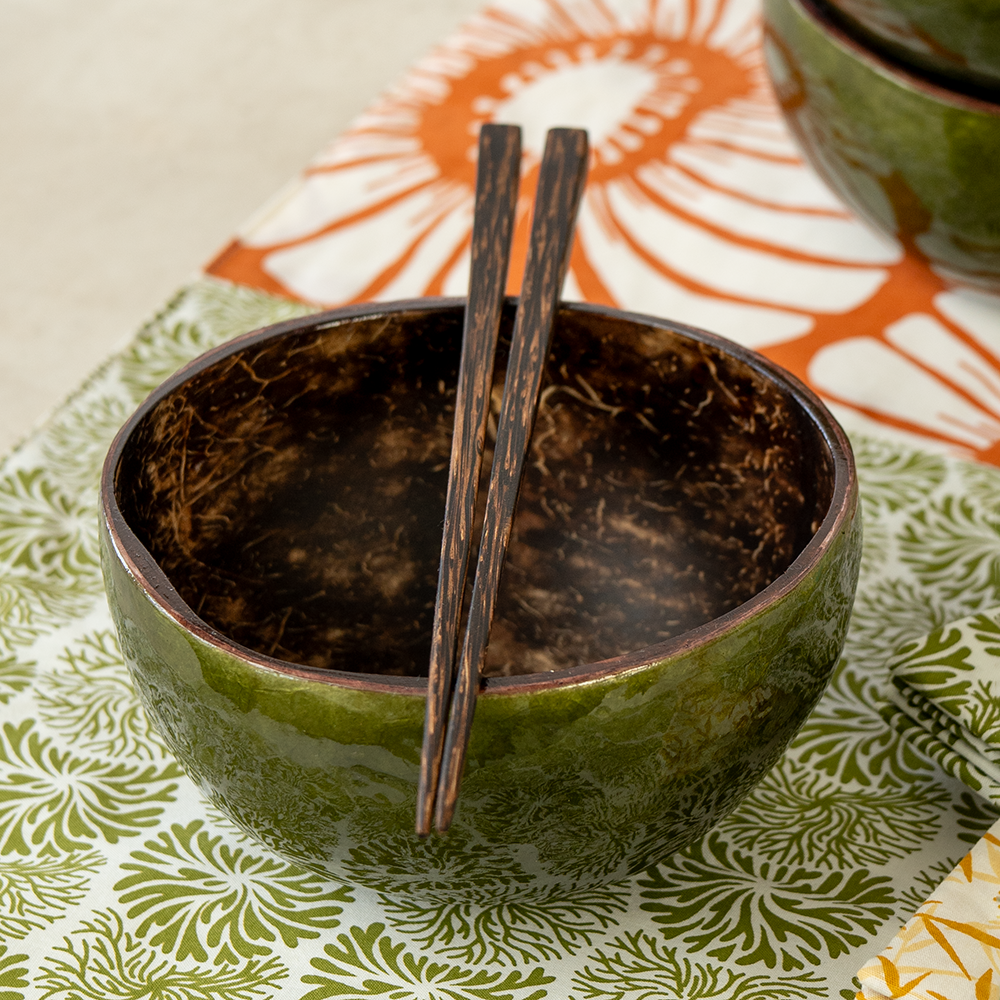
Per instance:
x=917, y=160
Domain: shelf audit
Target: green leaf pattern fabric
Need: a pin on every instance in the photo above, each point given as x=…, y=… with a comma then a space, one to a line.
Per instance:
x=118, y=879
x=948, y=682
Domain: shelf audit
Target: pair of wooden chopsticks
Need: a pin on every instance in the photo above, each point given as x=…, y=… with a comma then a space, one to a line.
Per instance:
x=561, y=180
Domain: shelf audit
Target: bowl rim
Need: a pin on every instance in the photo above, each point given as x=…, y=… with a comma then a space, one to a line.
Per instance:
x=829, y=23
x=151, y=579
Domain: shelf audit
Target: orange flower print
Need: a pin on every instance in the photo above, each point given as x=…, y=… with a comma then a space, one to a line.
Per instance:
x=933, y=371
x=698, y=206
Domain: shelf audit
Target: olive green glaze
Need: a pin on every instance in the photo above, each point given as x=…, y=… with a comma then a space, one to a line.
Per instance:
x=956, y=39
x=916, y=160
x=574, y=777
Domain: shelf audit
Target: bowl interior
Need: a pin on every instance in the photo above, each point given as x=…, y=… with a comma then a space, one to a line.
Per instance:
x=291, y=487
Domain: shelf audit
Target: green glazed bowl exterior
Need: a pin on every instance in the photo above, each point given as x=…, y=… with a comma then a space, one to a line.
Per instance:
x=958, y=40
x=917, y=160
x=574, y=778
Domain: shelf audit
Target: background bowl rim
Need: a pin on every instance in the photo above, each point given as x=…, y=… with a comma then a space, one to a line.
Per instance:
x=890, y=68
x=151, y=579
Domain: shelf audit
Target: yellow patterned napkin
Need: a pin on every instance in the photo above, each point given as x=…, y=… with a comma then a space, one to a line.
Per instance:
x=950, y=948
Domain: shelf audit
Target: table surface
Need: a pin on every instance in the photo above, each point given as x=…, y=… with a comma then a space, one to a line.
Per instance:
x=698, y=208
x=137, y=137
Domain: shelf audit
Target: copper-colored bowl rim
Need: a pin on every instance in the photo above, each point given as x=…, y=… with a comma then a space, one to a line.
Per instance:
x=158, y=588
x=895, y=70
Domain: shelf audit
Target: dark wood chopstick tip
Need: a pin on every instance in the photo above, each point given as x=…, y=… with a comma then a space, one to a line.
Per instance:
x=561, y=180
x=497, y=180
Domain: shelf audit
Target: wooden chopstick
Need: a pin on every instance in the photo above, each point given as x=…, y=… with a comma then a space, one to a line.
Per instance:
x=560, y=185
x=497, y=183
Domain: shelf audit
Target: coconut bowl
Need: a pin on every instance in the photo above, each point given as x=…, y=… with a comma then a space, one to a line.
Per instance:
x=916, y=159
x=676, y=595
x=955, y=40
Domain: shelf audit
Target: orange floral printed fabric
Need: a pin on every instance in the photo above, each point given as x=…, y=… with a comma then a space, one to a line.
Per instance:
x=698, y=208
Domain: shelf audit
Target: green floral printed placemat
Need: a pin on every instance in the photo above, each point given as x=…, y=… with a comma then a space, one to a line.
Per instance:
x=118, y=880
